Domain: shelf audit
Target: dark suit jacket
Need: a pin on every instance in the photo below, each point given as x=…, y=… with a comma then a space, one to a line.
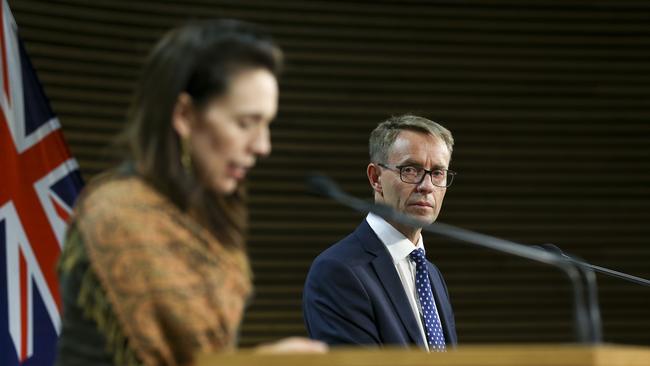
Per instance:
x=353, y=295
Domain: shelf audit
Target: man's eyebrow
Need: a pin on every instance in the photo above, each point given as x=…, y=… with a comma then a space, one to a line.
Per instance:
x=410, y=162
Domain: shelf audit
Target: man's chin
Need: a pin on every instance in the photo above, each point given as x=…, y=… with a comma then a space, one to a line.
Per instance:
x=425, y=218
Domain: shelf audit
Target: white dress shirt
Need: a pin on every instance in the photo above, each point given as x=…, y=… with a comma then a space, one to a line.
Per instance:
x=399, y=248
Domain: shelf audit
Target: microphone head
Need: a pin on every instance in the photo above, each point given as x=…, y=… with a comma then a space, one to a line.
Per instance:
x=553, y=248
x=321, y=185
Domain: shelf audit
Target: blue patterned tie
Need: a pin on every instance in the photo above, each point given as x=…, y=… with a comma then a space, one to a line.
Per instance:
x=432, y=325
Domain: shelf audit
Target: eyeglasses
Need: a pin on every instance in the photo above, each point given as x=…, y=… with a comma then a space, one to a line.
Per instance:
x=415, y=175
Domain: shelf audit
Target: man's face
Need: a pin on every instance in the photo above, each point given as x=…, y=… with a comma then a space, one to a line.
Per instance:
x=421, y=201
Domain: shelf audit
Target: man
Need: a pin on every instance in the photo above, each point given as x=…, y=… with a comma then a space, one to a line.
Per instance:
x=375, y=287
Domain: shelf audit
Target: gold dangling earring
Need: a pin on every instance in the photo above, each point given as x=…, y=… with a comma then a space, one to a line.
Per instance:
x=186, y=158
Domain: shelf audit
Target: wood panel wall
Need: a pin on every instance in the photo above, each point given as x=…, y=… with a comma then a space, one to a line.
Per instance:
x=549, y=102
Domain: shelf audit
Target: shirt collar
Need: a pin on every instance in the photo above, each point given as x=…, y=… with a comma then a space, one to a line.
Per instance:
x=397, y=244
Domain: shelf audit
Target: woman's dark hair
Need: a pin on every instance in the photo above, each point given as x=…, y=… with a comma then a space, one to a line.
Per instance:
x=200, y=59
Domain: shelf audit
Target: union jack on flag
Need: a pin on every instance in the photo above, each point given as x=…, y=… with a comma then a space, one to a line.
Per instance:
x=39, y=181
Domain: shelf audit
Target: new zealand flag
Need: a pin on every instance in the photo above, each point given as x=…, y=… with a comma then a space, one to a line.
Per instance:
x=39, y=182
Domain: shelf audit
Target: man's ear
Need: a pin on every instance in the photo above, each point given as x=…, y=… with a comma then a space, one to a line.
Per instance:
x=183, y=115
x=373, y=177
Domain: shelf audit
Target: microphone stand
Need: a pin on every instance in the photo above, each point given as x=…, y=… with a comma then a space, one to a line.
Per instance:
x=588, y=270
x=582, y=321
x=592, y=288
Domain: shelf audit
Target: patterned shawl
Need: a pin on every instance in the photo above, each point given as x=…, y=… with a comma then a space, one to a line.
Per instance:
x=171, y=288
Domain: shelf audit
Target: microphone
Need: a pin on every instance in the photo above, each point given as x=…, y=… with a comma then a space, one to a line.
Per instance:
x=592, y=287
x=321, y=185
x=324, y=186
x=602, y=270
x=588, y=270
x=585, y=333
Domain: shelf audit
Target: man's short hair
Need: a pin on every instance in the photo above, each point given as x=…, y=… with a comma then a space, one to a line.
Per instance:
x=383, y=137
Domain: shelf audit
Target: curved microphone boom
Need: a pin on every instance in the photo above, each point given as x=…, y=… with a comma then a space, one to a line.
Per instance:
x=585, y=331
x=599, y=269
x=588, y=270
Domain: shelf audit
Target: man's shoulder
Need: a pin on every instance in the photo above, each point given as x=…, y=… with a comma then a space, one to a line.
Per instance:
x=344, y=249
x=350, y=249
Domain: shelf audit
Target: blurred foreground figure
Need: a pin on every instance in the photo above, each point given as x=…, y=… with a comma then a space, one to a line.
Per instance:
x=154, y=268
x=375, y=287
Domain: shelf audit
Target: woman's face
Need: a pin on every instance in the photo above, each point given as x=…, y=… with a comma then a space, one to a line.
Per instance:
x=228, y=134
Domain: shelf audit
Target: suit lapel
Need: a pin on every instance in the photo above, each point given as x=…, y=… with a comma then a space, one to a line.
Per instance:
x=385, y=269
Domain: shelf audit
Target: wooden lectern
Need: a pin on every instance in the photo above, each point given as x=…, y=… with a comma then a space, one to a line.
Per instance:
x=483, y=355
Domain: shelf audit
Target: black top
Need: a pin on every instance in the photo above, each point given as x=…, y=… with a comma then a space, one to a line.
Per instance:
x=81, y=343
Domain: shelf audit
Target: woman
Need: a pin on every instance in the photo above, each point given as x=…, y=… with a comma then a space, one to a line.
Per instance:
x=154, y=268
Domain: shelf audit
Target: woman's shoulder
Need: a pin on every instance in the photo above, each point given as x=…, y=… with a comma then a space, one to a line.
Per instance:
x=115, y=195
x=113, y=189
x=112, y=202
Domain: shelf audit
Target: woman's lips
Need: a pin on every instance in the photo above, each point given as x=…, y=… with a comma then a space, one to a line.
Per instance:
x=238, y=171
